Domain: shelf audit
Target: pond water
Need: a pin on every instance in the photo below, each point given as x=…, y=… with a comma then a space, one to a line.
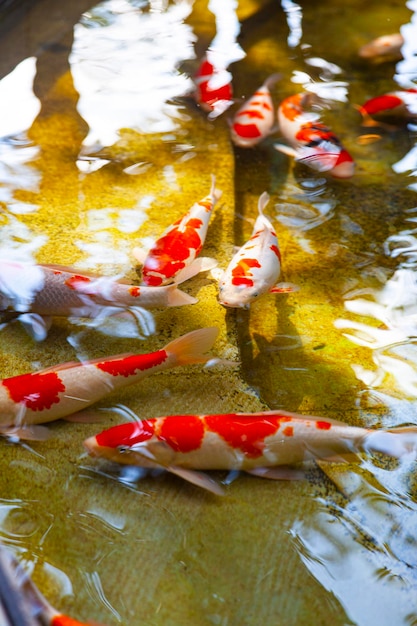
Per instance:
x=102, y=148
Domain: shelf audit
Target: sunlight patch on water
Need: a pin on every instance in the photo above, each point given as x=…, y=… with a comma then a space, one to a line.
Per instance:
x=19, y=104
x=123, y=78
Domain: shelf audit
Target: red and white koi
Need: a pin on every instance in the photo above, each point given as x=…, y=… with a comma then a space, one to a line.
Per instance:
x=255, y=267
x=214, y=91
x=398, y=104
x=311, y=142
x=173, y=257
x=255, y=119
x=59, y=391
x=34, y=292
x=258, y=443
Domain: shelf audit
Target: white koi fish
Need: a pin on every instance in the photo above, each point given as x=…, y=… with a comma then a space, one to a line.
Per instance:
x=259, y=443
x=256, y=266
x=255, y=119
x=59, y=391
x=34, y=293
x=173, y=257
x=311, y=142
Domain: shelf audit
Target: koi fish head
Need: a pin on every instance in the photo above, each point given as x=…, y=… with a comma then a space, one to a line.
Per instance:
x=240, y=292
x=213, y=88
x=125, y=444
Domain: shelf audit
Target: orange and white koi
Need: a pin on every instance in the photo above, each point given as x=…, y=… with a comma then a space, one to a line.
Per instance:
x=384, y=48
x=311, y=142
x=20, y=592
x=395, y=104
x=258, y=443
x=214, y=91
x=255, y=267
x=255, y=119
x=173, y=257
x=59, y=391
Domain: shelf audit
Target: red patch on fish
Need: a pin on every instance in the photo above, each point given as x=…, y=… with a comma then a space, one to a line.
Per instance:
x=183, y=433
x=251, y=113
x=36, y=391
x=321, y=425
x=241, y=273
x=126, y=434
x=247, y=130
x=381, y=103
x=291, y=107
x=129, y=365
x=243, y=433
x=276, y=250
x=134, y=292
x=74, y=281
x=288, y=431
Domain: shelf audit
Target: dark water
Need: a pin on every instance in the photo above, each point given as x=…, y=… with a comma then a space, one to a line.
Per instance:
x=100, y=151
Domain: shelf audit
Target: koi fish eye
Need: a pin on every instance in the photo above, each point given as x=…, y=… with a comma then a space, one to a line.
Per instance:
x=123, y=449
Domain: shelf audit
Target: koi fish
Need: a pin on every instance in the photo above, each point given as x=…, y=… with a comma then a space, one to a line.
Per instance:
x=311, y=142
x=64, y=389
x=385, y=48
x=173, y=255
x=29, y=605
x=33, y=293
x=214, y=90
x=398, y=104
x=262, y=443
x=256, y=266
x=255, y=119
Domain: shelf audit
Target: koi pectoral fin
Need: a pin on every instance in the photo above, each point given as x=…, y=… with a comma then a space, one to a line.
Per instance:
x=291, y=152
x=31, y=432
x=197, y=478
x=201, y=264
x=283, y=472
x=140, y=254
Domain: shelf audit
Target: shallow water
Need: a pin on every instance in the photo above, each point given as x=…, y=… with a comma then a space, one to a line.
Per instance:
x=100, y=151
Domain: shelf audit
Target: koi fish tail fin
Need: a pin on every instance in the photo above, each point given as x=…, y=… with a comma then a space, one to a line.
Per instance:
x=394, y=442
x=272, y=80
x=191, y=348
x=176, y=297
x=263, y=201
x=215, y=194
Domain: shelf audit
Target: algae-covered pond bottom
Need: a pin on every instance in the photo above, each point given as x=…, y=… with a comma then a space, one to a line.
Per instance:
x=100, y=152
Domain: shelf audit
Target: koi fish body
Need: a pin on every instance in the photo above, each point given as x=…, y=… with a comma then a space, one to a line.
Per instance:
x=173, y=257
x=311, y=142
x=213, y=88
x=255, y=119
x=398, y=104
x=61, y=291
x=57, y=392
x=384, y=48
x=256, y=266
x=252, y=442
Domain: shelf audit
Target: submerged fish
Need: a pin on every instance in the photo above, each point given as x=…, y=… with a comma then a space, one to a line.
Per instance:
x=256, y=266
x=34, y=293
x=173, y=257
x=19, y=590
x=258, y=443
x=59, y=391
x=384, y=48
x=311, y=142
x=214, y=90
x=401, y=104
x=255, y=119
